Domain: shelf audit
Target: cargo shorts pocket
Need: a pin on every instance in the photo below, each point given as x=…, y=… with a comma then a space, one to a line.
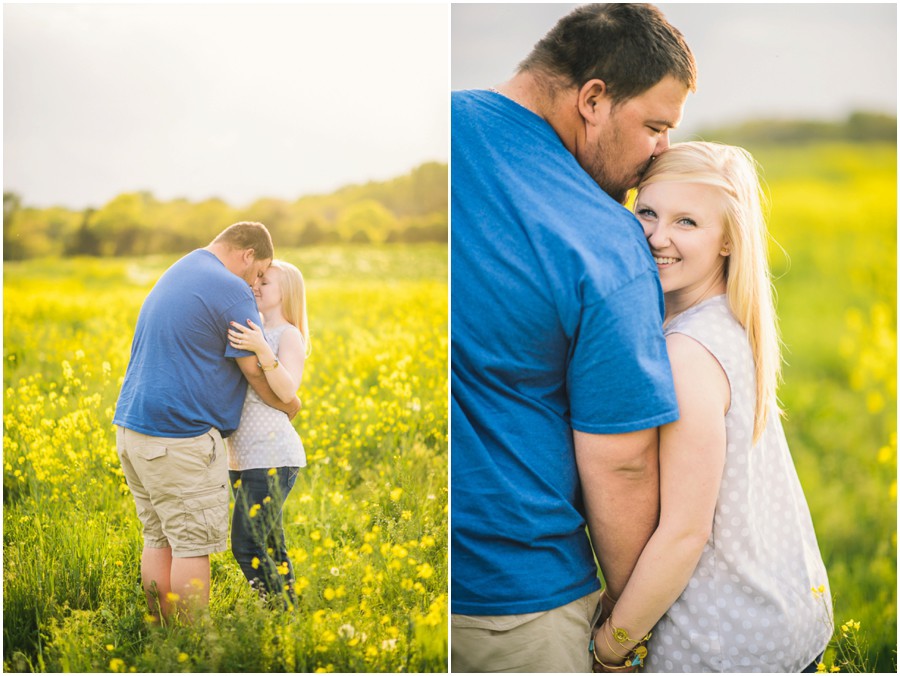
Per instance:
x=150, y=451
x=206, y=516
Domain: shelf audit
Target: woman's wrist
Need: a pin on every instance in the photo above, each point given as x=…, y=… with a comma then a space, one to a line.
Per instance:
x=266, y=357
x=614, y=649
x=606, y=648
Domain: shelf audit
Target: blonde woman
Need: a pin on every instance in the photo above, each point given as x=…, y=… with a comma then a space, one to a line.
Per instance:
x=265, y=454
x=732, y=579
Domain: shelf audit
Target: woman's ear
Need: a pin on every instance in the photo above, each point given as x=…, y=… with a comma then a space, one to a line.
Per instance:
x=726, y=249
x=593, y=101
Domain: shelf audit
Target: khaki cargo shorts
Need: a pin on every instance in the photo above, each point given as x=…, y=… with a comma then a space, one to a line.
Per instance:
x=180, y=489
x=553, y=641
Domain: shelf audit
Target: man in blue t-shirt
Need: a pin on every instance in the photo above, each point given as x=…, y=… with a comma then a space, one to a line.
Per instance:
x=559, y=367
x=183, y=393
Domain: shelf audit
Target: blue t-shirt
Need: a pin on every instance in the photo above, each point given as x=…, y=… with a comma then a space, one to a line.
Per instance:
x=556, y=323
x=182, y=379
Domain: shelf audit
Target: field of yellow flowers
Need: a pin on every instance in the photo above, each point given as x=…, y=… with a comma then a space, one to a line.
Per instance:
x=834, y=215
x=366, y=522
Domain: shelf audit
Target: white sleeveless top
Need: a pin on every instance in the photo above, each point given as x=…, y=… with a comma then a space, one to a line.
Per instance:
x=265, y=437
x=749, y=605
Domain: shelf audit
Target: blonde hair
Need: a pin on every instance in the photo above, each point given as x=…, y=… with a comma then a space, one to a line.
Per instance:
x=748, y=280
x=293, y=299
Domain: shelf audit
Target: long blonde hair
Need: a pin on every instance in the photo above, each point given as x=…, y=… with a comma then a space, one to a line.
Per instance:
x=748, y=280
x=293, y=299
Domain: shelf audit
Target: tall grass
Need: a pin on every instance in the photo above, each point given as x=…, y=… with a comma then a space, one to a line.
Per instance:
x=834, y=215
x=366, y=523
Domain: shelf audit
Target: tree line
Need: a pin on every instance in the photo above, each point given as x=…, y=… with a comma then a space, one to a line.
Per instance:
x=858, y=127
x=409, y=208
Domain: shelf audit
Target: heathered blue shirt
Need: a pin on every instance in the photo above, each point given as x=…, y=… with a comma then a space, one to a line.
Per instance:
x=556, y=318
x=182, y=379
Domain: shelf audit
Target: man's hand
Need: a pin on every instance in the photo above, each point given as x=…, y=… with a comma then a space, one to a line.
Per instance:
x=294, y=408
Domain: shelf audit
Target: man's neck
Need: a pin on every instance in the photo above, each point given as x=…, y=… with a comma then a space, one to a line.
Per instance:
x=557, y=106
x=229, y=257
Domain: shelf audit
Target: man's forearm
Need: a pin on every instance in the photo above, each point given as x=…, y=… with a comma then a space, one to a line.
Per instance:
x=620, y=483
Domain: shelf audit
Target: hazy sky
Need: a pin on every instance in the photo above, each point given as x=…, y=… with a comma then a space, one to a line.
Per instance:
x=811, y=60
x=243, y=101
x=235, y=101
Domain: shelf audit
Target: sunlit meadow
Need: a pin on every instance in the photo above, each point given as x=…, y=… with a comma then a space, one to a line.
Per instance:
x=834, y=217
x=366, y=523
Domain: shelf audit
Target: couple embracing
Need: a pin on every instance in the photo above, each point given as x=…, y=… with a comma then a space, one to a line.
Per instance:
x=206, y=403
x=614, y=378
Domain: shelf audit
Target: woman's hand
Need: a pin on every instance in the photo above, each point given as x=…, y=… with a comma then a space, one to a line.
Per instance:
x=244, y=338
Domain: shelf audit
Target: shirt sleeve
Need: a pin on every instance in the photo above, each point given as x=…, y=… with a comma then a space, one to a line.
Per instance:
x=239, y=313
x=619, y=377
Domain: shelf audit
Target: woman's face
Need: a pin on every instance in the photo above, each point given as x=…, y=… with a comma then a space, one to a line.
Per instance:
x=268, y=292
x=684, y=225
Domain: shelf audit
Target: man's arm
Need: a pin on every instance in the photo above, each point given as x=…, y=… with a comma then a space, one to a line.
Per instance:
x=257, y=380
x=620, y=482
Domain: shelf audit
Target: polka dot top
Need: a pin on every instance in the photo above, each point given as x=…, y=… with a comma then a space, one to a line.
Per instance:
x=265, y=438
x=750, y=604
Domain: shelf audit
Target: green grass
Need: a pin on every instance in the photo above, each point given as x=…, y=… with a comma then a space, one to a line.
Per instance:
x=833, y=210
x=366, y=523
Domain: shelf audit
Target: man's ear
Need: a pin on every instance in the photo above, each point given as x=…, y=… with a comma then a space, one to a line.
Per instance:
x=248, y=256
x=593, y=101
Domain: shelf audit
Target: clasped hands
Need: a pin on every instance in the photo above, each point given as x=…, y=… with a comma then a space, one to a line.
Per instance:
x=613, y=664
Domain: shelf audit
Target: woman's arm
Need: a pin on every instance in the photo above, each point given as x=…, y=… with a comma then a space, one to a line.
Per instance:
x=283, y=371
x=691, y=461
x=257, y=380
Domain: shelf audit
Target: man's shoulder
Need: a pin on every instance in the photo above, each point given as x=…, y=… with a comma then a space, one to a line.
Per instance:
x=201, y=272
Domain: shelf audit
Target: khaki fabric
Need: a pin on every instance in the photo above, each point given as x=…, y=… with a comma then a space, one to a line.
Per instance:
x=180, y=489
x=553, y=641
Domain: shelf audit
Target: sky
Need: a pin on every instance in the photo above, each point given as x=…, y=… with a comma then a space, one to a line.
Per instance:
x=234, y=101
x=809, y=60
x=241, y=101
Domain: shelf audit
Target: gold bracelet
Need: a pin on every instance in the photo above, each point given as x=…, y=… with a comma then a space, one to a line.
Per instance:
x=611, y=649
x=621, y=635
x=593, y=649
x=268, y=368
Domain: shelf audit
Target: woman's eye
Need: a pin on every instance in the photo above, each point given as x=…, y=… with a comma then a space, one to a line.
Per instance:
x=646, y=213
x=690, y=222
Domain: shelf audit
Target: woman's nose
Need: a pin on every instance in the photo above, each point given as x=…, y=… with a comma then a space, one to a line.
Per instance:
x=657, y=236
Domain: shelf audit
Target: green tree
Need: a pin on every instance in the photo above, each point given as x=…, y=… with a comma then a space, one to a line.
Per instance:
x=366, y=221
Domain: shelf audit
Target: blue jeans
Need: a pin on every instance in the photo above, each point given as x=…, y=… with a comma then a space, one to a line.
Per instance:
x=257, y=532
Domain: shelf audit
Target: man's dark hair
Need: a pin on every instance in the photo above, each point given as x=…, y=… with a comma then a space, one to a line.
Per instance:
x=248, y=235
x=631, y=47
